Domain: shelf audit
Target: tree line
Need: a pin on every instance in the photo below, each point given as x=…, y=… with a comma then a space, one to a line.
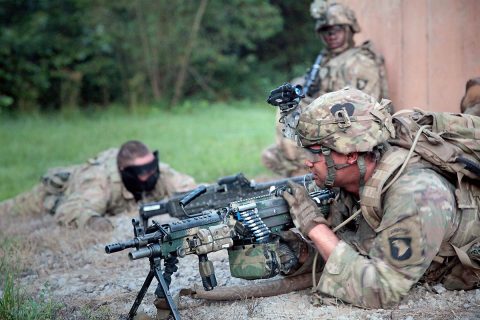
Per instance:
x=55, y=54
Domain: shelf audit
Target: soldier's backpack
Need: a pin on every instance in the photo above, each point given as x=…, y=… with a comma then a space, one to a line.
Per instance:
x=451, y=143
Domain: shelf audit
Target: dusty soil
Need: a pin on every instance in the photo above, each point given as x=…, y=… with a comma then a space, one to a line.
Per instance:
x=71, y=267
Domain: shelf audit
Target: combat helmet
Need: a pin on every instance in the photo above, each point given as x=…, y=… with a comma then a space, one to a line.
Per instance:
x=330, y=14
x=345, y=121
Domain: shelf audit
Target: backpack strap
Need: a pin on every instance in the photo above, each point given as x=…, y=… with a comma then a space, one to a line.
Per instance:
x=390, y=162
x=464, y=257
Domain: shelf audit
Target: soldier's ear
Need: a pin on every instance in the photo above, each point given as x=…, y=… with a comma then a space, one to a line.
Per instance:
x=352, y=157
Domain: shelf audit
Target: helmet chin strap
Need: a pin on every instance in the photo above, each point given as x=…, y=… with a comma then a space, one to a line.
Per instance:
x=362, y=168
x=332, y=168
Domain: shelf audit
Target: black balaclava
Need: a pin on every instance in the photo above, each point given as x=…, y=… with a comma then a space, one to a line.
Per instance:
x=133, y=184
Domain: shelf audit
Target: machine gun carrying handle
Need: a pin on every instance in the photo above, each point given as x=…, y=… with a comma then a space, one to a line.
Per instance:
x=192, y=195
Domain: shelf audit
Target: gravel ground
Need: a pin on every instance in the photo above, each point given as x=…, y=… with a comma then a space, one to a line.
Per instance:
x=72, y=267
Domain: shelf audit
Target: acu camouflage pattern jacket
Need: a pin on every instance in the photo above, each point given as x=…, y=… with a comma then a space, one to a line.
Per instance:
x=96, y=189
x=375, y=266
x=76, y=193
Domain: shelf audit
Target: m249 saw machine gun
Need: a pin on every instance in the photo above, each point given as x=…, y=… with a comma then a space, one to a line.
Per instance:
x=249, y=229
x=227, y=190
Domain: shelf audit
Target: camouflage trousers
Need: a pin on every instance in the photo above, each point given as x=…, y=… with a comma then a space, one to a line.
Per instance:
x=43, y=198
x=274, y=159
x=29, y=202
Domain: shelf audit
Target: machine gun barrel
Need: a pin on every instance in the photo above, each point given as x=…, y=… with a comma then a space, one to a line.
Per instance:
x=153, y=235
x=116, y=247
x=147, y=252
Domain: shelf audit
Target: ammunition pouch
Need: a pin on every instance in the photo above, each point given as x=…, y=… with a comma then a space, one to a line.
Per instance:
x=213, y=239
x=254, y=261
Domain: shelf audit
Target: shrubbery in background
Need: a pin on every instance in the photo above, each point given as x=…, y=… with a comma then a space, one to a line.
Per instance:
x=57, y=54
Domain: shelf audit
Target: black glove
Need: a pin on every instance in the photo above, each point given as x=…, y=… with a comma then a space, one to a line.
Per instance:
x=305, y=213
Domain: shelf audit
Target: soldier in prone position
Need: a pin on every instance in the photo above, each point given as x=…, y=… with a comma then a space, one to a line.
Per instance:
x=113, y=182
x=342, y=64
x=420, y=224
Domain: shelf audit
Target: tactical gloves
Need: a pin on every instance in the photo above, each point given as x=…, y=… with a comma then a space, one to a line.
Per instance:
x=305, y=213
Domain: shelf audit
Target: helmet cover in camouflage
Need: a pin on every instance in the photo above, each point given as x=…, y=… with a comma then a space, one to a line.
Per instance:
x=333, y=14
x=345, y=121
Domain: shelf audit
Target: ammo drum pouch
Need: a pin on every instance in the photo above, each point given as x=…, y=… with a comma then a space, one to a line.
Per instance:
x=254, y=261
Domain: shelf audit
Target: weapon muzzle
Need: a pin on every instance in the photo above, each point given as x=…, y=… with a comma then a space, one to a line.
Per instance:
x=115, y=247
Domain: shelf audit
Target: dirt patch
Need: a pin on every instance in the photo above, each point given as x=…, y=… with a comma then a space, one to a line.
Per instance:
x=71, y=267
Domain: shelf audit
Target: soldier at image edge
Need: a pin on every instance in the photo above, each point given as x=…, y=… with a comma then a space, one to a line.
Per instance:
x=470, y=103
x=342, y=64
x=113, y=182
x=423, y=228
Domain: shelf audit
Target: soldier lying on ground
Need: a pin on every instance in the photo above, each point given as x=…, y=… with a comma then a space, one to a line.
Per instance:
x=424, y=227
x=470, y=103
x=342, y=64
x=113, y=182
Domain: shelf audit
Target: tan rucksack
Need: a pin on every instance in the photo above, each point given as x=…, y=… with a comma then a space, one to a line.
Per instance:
x=451, y=144
x=450, y=141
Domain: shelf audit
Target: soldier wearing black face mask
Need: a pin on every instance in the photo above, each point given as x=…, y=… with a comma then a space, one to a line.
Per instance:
x=141, y=179
x=113, y=182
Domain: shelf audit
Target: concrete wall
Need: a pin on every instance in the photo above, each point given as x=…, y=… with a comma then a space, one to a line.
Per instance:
x=431, y=47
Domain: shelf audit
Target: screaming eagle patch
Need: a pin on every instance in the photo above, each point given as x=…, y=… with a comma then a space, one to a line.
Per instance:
x=361, y=84
x=400, y=248
x=402, y=243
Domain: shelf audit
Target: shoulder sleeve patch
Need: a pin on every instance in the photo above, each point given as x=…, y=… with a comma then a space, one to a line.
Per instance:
x=402, y=243
x=361, y=83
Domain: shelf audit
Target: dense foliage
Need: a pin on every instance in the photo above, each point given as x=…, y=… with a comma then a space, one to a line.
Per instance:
x=56, y=54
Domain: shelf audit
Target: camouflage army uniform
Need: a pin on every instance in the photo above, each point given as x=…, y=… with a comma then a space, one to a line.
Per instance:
x=422, y=228
x=381, y=265
x=357, y=67
x=74, y=194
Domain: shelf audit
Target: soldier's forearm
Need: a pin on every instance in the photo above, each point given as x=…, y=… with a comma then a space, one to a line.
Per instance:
x=324, y=239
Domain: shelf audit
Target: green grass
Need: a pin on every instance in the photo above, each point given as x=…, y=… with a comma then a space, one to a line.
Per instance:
x=204, y=140
x=15, y=302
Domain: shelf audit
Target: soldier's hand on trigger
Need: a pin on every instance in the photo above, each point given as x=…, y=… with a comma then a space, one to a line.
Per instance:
x=305, y=213
x=99, y=224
